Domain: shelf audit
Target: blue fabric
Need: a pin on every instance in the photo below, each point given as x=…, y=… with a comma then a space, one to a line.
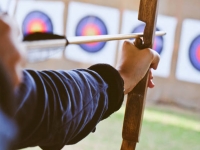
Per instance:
x=8, y=128
x=8, y=131
x=56, y=108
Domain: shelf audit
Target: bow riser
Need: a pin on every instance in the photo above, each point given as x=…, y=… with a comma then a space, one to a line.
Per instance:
x=148, y=14
x=136, y=98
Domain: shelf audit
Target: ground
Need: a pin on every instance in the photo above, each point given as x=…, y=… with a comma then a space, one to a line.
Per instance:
x=164, y=128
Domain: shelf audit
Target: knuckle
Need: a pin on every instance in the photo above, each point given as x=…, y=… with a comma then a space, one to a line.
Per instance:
x=149, y=52
x=126, y=43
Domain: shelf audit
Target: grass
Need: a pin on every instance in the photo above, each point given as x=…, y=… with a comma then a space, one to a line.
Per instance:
x=163, y=129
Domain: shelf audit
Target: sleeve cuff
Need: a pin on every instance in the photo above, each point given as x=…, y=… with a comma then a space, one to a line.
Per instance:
x=115, y=86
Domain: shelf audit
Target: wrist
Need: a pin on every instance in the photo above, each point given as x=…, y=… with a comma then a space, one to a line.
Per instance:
x=129, y=82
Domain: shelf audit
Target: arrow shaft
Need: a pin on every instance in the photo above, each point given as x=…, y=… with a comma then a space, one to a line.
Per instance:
x=82, y=39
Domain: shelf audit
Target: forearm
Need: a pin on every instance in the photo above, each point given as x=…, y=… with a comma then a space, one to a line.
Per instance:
x=68, y=102
x=115, y=85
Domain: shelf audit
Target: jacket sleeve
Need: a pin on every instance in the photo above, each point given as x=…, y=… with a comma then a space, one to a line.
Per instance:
x=56, y=108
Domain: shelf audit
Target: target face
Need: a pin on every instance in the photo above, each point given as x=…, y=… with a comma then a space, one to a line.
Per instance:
x=188, y=62
x=194, y=53
x=90, y=26
x=158, y=42
x=91, y=20
x=37, y=21
x=164, y=45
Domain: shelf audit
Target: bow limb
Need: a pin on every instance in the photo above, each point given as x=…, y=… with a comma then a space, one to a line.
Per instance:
x=136, y=98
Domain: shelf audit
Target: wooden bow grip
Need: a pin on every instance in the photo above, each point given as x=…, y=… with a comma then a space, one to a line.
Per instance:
x=136, y=98
x=134, y=114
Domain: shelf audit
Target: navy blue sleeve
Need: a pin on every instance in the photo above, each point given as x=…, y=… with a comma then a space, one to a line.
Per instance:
x=56, y=108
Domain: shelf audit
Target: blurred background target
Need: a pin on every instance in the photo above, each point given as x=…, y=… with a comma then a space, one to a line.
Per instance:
x=194, y=53
x=158, y=42
x=40, y=16
x=92, y=20
x=89, y=26
x=163, y=45
x=188, y=62
x=37, y=21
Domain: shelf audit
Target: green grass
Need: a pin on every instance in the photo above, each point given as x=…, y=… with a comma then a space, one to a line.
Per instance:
x=169, y=130
x=163, y=129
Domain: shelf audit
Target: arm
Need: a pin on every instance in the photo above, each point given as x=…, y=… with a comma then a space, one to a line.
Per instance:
x=56, y=108
x=69, y=104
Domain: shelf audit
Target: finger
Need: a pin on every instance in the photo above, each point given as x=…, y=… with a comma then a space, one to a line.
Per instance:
x=150, y=81
x=156, y=59
x=150, y=74
x=151, y=84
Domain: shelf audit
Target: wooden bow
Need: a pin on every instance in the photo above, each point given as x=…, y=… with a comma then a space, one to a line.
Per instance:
x=136, y=98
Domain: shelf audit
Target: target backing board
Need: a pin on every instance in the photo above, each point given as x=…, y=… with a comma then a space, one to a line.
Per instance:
x=40, y=16
x=88, y=19
x=163, y=45
x=188, y=63
x=7, y=6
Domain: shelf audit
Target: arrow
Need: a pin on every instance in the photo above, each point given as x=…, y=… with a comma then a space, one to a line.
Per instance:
x=47, y=40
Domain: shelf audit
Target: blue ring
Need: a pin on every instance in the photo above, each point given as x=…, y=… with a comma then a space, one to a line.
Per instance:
x=102, y=27
x=192, y=53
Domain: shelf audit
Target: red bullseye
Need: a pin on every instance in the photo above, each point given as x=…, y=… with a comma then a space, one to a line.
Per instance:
x=92, y=44
x=36, y=26
x=90, y=30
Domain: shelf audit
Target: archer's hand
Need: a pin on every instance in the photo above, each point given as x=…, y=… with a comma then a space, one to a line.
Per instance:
x=11, y=50
x=134, y=64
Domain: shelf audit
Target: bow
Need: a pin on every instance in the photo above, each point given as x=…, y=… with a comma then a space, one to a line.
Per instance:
x=136, y=98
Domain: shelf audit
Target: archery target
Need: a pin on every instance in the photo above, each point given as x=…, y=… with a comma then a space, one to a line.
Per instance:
x=35, y=16
x=92, y=20
x=37, y=21
x=40, y=16
x=91, y=25
x=158, y=42
x=188, y=63
x=163, y=45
